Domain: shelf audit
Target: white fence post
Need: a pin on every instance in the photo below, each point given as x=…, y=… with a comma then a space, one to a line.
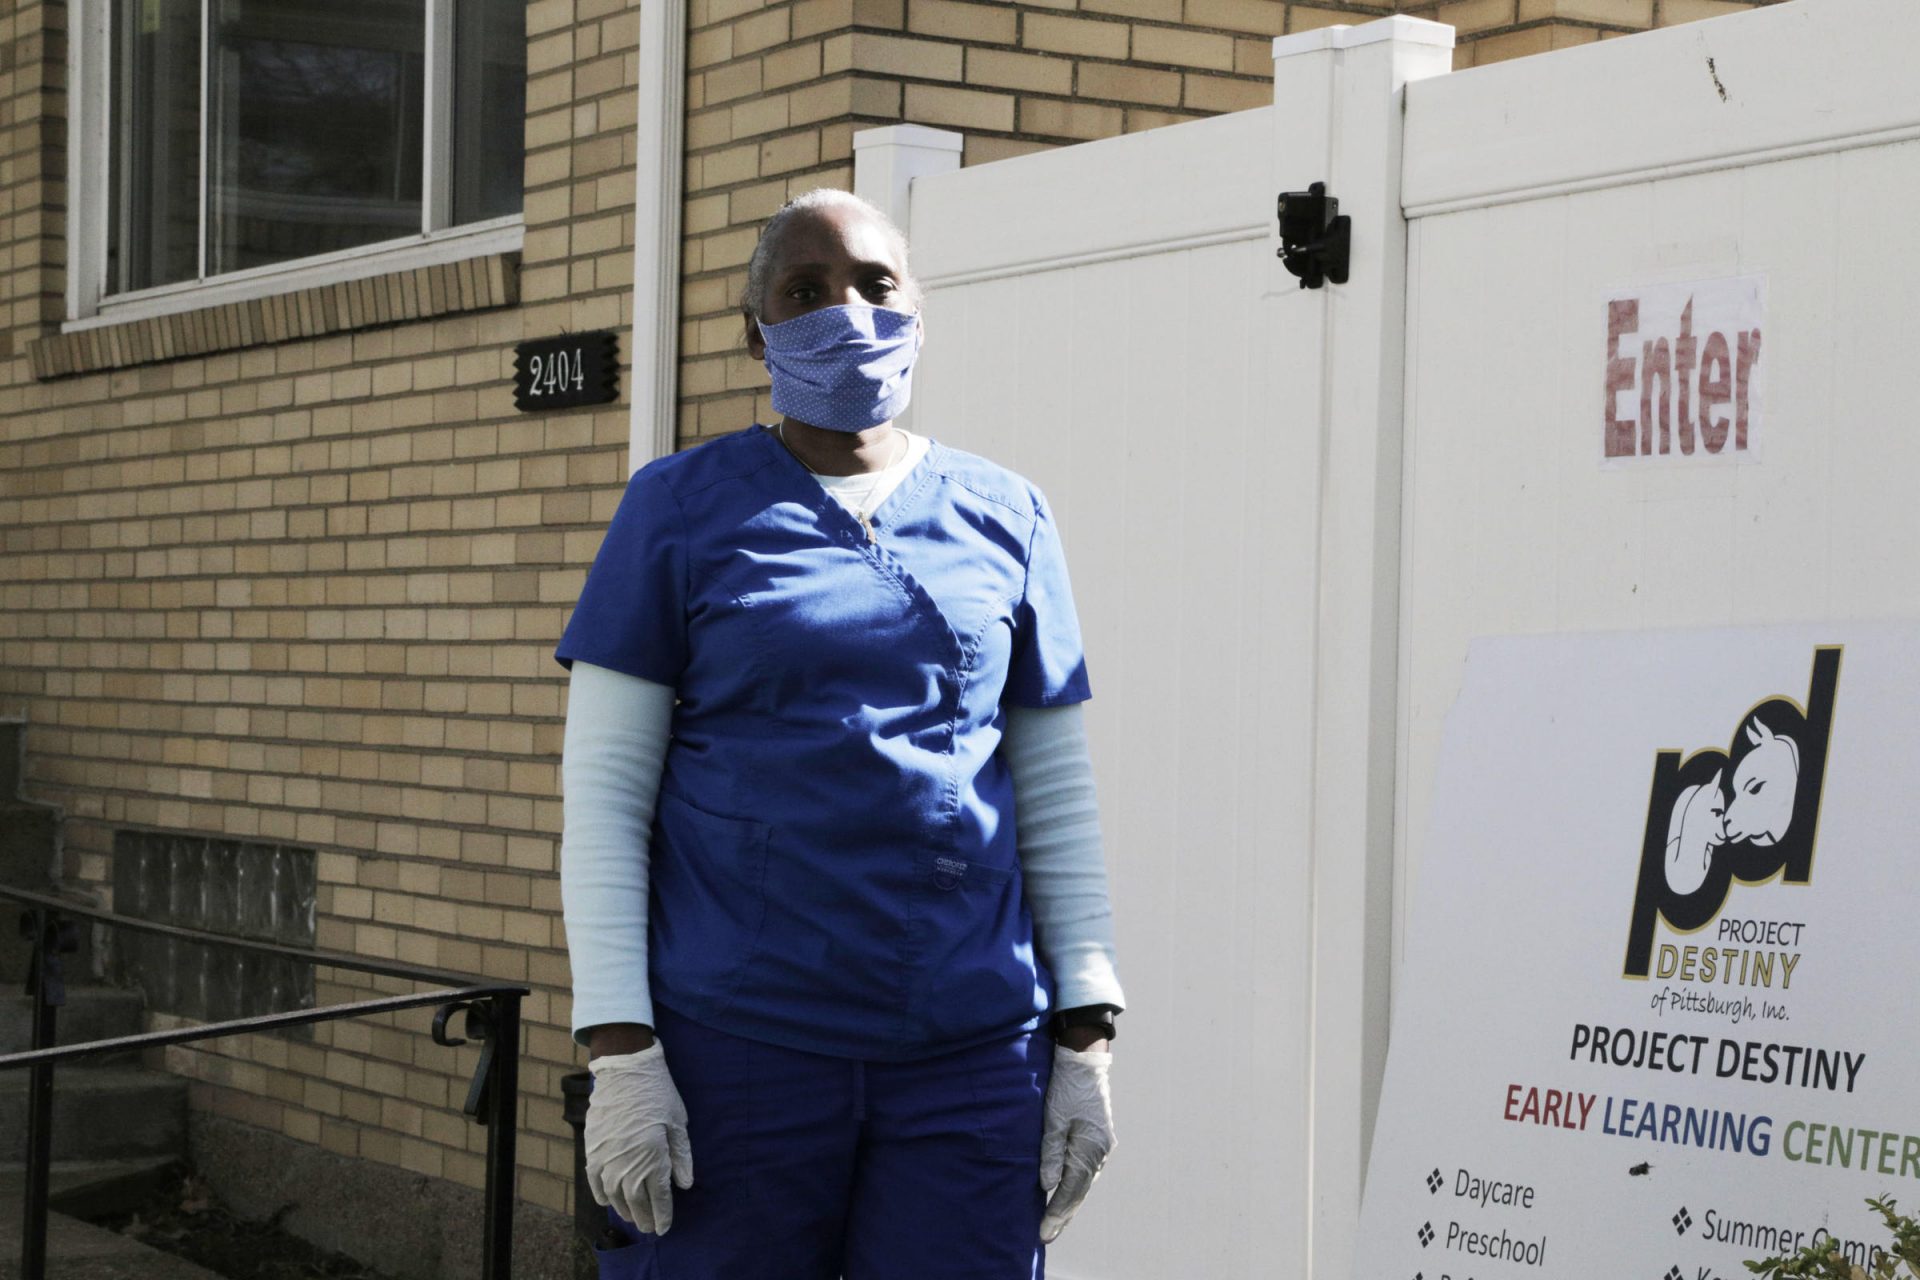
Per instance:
x=885, y=163
x=1338, y=95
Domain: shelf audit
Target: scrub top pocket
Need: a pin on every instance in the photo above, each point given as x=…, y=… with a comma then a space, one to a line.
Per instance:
x=957, y=904
x=712, y=870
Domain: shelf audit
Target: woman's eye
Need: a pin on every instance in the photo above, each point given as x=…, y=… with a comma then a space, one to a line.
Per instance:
x=880, y=288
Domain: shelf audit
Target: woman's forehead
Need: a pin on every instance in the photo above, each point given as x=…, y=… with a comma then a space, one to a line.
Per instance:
x=835, y=235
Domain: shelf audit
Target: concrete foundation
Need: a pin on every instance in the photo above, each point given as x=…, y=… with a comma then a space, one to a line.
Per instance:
x=405, y=1224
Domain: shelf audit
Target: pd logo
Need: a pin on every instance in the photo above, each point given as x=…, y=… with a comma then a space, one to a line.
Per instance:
x=1747, y=813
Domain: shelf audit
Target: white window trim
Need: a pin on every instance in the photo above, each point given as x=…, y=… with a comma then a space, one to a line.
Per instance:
x=659, y=170
x=480, y=239
x=436, y=184
x=87, y=140
x=87, y=160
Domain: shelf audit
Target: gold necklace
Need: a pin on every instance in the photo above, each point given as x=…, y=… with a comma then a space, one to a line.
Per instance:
x=863, y=513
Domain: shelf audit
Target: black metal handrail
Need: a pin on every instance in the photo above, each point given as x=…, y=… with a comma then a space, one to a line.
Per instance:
x=492, y=1018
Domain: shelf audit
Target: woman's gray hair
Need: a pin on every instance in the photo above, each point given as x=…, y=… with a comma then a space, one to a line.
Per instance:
x=760, y=265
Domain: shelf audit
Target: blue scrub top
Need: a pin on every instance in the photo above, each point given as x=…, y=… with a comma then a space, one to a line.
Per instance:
x=833, y=857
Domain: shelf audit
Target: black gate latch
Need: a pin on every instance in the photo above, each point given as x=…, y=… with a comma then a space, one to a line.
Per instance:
x=1314, y=236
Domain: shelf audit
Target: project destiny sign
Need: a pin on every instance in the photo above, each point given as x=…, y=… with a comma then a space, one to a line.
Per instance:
x=1654, y=1016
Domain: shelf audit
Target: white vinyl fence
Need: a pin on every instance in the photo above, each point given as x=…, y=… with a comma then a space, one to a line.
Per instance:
x=1288, y=510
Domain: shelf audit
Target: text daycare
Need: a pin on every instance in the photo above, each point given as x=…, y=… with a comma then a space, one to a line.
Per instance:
x=1483, y=1191
x=1758, y=1061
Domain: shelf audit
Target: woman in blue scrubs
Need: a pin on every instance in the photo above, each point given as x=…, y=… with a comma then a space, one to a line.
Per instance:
x=834, y=894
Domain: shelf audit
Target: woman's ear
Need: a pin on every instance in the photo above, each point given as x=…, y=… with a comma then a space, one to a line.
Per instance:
x=756, y=345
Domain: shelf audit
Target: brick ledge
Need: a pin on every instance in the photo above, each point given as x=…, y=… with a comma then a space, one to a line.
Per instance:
x=471, y=284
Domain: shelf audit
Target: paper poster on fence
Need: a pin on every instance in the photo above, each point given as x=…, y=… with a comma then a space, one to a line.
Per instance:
x=1655, y=1016
x=1685, y=373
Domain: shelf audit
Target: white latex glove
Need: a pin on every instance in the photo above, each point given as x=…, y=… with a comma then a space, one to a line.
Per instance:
x=636, y=1137
x=1078, y=1133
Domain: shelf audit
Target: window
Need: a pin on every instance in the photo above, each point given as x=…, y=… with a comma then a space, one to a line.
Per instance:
x=265, y=892
x=245, y=136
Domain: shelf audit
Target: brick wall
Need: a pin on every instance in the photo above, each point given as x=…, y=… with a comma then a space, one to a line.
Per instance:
x=308, y=591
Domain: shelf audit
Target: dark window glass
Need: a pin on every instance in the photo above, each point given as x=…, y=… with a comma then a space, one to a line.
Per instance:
x=153, y=159
x=315, y=133
x=316, y=130
x=489, y=108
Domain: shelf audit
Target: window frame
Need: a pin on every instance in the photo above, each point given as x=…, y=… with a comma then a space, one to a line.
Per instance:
x=89, y=133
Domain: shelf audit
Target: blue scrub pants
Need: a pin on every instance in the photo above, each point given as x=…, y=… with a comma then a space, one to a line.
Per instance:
x=807, y=1167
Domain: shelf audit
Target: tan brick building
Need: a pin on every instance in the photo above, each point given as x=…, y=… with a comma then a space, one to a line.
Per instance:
x=281, y=562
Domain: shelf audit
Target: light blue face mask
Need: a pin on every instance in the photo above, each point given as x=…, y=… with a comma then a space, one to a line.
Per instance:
x=845, y=368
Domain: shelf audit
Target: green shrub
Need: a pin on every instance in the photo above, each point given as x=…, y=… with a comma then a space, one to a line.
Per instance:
x=1824, y=1261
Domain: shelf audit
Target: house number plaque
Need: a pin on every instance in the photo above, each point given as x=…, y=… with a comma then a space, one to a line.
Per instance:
x=575, y=368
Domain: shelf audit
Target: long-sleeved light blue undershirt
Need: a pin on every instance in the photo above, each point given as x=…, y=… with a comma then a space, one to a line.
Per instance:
x=615, y=744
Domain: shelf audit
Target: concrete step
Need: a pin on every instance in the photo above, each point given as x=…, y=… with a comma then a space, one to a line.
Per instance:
x=90, y=1013
x=94, y=1188
x=99, y=1113
x=79, y=1250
